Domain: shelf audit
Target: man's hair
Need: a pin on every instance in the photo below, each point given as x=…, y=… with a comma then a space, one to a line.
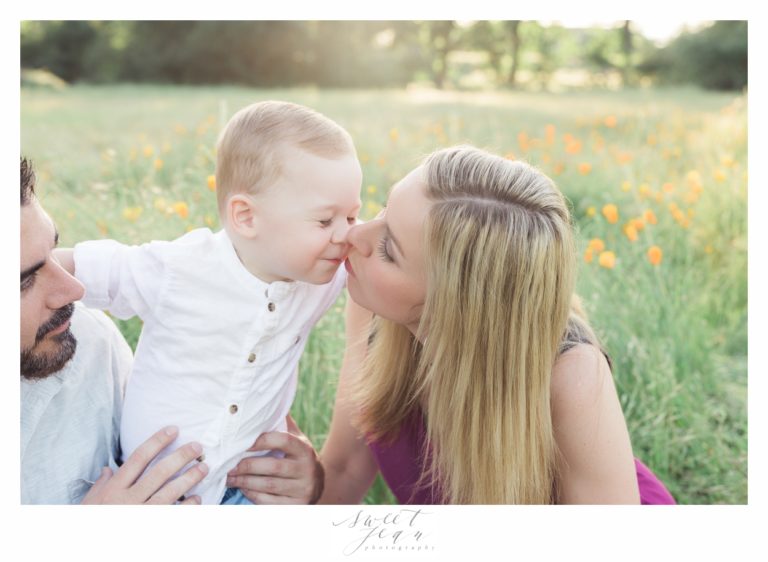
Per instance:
x=27, y=181
x=249, y=150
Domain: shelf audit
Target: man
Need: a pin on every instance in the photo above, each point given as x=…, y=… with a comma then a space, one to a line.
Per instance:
x=74, y=363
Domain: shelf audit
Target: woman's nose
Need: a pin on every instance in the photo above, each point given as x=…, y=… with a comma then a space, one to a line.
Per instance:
x=360, y=237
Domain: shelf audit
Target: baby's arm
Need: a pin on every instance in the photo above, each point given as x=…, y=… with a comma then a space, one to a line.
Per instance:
x=124, y=280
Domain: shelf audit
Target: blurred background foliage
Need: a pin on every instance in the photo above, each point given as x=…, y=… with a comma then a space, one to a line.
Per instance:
x=364, y=54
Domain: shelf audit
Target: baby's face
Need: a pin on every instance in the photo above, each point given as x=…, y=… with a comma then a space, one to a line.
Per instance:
x=305, y=215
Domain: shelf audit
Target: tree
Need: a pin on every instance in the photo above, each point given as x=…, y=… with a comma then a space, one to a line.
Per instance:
x=440, y=38
x=714, y=57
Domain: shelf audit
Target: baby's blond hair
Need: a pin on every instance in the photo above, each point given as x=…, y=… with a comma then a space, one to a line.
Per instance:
x=248, y=155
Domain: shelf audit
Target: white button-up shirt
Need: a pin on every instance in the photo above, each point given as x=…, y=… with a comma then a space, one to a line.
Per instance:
x=219, y=349
x=70, y=420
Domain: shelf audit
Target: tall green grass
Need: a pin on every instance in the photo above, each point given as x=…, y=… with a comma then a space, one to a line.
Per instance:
x=132, y=163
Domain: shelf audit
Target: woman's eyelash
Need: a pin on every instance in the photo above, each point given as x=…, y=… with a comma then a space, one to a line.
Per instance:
x=383, y=250
x=326, y=222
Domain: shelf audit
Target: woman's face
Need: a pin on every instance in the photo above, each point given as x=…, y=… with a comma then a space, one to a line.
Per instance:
x=387, y=272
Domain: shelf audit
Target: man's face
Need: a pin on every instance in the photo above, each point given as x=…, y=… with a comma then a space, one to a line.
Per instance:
x=47, y=294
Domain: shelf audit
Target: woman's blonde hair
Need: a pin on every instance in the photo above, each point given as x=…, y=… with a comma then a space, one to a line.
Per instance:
x=499, y=309
x=248, y=151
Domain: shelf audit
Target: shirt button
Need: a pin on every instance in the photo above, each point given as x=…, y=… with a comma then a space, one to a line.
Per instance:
x=233, y=409
x=251, y=358
x=271, y=307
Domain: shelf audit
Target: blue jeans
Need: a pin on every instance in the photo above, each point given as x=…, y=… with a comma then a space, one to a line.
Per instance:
x=233, y=496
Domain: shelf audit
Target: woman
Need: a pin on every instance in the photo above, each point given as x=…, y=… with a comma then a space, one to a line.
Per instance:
x=479, y=381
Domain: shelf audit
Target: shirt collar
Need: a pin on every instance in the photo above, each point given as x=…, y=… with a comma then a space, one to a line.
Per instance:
x=275, y=291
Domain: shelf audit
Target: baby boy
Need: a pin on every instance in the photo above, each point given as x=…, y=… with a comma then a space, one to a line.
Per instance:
x=227, y=314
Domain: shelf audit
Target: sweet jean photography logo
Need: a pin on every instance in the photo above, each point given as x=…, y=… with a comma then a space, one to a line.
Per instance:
x=397, y=531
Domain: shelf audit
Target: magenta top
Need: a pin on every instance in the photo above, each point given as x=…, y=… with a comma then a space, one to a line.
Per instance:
x=402, y=460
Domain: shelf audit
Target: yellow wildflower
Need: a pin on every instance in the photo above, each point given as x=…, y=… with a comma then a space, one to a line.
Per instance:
x=611, y=213
x=212, y=182
x=654, y=255
x=719, y=175
x=158, y=164
x=573, y=147
x=596, y=244
x=588, y=255
x=181, y=209
x=371, y=189
x=591, y=211
x=650, y=217
x=585, y=168
x=607, y=259
x=668, y=187
x=630, y=231
x=610, y=121
x=132, y=213
x=148, y=150
x=394, y=134
x=626, y=186
x=549, y=134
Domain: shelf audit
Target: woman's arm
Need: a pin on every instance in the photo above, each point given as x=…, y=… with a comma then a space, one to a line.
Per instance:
x=350, y=468
x=597, y=465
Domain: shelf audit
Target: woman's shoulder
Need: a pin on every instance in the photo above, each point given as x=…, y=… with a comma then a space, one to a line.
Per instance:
x=579, y=375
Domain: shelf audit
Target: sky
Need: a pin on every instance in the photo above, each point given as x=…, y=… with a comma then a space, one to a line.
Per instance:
x=660, y=30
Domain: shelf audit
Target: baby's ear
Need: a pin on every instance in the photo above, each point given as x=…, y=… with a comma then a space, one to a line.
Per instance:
x=241, y=214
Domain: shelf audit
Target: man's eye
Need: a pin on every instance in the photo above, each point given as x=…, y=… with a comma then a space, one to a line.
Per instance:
x=352, y=220
x=326, y=222
x=28, y=282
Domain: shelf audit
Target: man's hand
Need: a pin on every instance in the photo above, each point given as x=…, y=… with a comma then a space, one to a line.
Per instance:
x=153, y=487
x=297, y=478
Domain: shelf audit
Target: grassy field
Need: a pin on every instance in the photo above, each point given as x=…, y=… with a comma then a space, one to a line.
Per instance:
x=657, y=182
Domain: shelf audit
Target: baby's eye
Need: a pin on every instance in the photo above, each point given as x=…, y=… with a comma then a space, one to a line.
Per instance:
x=326, y=222
x=351, y=220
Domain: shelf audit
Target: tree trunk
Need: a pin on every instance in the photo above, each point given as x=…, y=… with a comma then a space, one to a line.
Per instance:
x=626, y=46
x=514, y=32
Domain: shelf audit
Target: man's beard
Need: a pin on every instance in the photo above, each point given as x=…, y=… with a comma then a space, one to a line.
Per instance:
x=35, y=366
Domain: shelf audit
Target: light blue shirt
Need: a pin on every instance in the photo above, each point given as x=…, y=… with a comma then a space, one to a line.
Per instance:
x=70, y=421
